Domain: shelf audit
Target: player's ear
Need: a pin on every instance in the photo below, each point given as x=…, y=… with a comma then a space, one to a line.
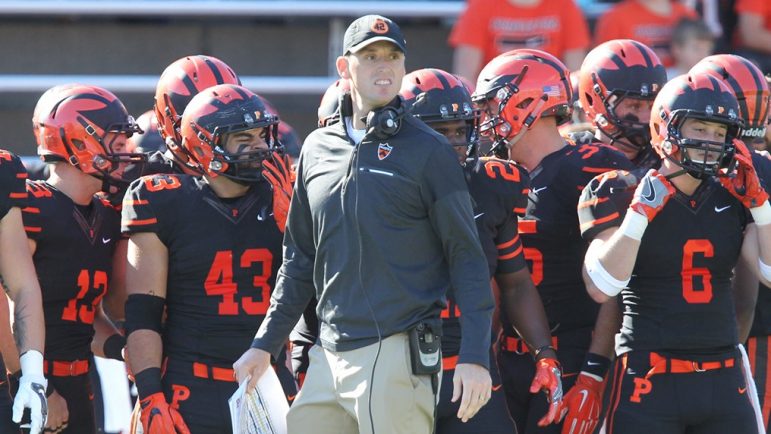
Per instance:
x=342, y=64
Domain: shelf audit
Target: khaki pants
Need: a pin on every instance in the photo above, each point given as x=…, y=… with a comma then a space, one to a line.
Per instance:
x=335, y=398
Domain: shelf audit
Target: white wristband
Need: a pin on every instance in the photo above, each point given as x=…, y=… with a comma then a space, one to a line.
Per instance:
x=606, y=283
x=761, y=214
x=31, y=363
x=634, y=225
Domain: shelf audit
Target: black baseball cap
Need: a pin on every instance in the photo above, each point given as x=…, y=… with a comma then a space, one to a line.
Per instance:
x=372, y=28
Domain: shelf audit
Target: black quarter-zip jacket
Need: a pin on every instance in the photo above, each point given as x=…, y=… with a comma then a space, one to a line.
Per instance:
x=378, y=232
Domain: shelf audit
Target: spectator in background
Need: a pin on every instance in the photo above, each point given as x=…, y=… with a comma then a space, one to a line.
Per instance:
x=488, y=28
x=692, y=41
x=648, y=21
x=753, y=32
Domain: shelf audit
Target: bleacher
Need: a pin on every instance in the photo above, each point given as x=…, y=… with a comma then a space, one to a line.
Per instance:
x=283, y=49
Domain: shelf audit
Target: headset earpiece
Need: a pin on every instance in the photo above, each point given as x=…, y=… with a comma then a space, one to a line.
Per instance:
x=385, y=122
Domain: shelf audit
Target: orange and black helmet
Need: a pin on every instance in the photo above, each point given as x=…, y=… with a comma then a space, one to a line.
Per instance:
x=747, y=83
x=221, y=110
x=329, y=107
x=433, y=95
x=150, y=139
x=611, y=72
x=83, y=127
x=516, y=89
x=702, y=97
x=179, y=83
x=46, y=103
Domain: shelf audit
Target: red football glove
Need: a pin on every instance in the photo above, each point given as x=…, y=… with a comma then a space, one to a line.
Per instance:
x=744, y=185
x=278, y=171
x=548, y=378
x=582, y=404
x=159, y=418
x=651, y=194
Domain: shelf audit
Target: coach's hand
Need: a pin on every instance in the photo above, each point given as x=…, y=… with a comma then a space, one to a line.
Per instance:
x=251, y=365
x=474, y=384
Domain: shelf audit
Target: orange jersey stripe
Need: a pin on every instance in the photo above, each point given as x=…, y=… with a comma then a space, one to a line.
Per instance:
x=596, y=169
x=18, y=195
x=22, y=175
x=31, y=210
x=511, y=255
x=592, y=202
x=135, y=202
x=139, y=222
x=33, y=229
x=608, y=218
x=508, y=243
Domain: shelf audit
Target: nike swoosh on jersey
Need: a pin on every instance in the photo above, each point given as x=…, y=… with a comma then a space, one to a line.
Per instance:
x=106, y=240
x=497, y=388
x=538, y=190
x=742, y=390
x=722, y=208
x=478, y=215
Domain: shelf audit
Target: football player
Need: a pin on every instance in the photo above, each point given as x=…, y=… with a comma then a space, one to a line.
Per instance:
x=73, y=236
x=21, y=284
x=617, y=84
x=499, y=191
x=752, y=94
x=205, y=250
x=525, y=95
x=179, y=83
x=706, y=205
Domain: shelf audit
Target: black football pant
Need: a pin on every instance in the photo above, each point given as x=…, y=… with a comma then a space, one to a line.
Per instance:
x=80, y=402
x=201, y=395
x=493, y=418
x=670, y=400
x=517, y=372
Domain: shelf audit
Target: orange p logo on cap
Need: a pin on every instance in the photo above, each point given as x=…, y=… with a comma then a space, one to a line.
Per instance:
x=379, y=26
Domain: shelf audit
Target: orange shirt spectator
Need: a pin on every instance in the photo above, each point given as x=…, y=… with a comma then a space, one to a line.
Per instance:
x=492, y=27
x=650, y=22
x=753, y=31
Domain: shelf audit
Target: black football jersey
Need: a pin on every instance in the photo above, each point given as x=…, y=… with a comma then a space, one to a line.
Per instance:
x=679, y=298
x=498, y=190
x=73, y=260
x=761, y=325
x=550, y=232
x=223, y=259
x=13, y=192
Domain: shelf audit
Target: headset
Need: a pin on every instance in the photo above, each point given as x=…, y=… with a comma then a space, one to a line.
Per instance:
x=385, y=122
